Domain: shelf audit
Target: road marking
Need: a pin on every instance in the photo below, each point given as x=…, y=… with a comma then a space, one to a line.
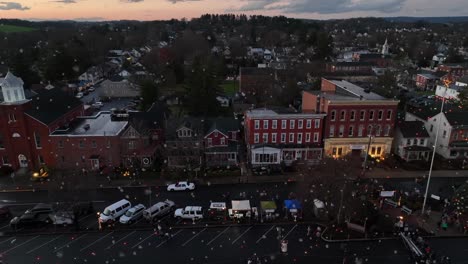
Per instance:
x=7, y=240
x=186, y=242
x=81, y=219
x=175, y=234
x=78, y=238
x=115, y=243
x=144, y=240
x=97, y=241
x=48, y=242
x=19, y=245
x=290, y=231
x=4, y=226
x=218, y=235
x=241, y=235
x=264, y=235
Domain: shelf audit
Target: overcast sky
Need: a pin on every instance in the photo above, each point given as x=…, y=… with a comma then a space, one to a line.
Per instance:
x=166, y=9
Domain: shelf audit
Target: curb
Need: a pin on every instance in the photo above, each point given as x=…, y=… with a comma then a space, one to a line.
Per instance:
x=39, y=189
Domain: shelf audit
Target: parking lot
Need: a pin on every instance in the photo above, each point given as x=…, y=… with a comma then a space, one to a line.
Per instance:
x=229, y=244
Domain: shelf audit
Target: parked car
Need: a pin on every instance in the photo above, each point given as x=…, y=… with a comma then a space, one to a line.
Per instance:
x=63, y=218
x=30, y=220
x=83, y=208
x=114, y=211
x=133, y=214
x=79, y=95
x=85, y=92
x=91, y=89
x=40, y=208
x=159, y=210
x=189, y=212
x=97, y=105
x=181, y=186
x=4, y=212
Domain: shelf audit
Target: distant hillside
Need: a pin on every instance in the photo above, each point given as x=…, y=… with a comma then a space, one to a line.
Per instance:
x=460, y=19
x=13, y=28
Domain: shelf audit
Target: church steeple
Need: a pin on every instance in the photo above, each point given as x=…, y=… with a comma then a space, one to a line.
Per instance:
x=385, y=47
x=12, y=88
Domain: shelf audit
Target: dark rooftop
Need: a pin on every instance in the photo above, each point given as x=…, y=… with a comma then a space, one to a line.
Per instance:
x=51, y=105
x=412, y=129
x=457, y=119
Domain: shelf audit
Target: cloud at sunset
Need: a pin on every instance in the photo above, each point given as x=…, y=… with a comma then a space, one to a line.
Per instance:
x=168, y=9
x=12, y=6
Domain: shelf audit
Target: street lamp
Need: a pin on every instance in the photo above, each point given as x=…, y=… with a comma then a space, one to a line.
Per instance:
x=447, y=84
x=368, y=150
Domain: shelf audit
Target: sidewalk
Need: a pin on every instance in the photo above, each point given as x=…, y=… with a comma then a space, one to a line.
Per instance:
x=23, y=183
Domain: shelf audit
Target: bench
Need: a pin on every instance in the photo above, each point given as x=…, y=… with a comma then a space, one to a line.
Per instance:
x=406, y=210
x=391, y=203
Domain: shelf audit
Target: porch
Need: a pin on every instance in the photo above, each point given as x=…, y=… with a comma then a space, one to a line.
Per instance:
x=413, y=153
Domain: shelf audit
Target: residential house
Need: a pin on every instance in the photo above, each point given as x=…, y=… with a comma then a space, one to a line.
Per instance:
x=356, y=118
x=184, y=143
x=411, y=141
x=451, y=92
x=141, y=141
x=221, y=142
x=118, y=87
x=282, y=136
x=452, y=142
x=92, y=75
x=427, y=80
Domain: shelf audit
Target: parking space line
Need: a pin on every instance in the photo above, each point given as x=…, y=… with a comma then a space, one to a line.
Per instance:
x=115, y=243
x=264, y=235
x=186, y=242
x=4, y=252
x=4, y=226
x=175, y=234
x=290, y=231
x=97, y=241
x=218, y=235
x=152, y=234
x=241, y=235
x=11, y=238
x=67, y=244
x=85, y=217
x=48, y=242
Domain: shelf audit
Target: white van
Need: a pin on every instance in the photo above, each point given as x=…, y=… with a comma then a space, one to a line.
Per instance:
x=159, y=210
x=114, y=211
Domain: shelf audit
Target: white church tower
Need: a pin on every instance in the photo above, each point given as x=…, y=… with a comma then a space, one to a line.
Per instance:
x=385, y=48
x=12, y=89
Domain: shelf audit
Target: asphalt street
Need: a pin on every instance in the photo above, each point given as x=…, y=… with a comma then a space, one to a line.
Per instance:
x=118, y=103
x=228, y=244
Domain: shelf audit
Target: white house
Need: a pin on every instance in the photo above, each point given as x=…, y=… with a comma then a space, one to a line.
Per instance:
x=93, y=75
x=451, y=92
x=452, y=140
x=411, y=140
x=125, y=74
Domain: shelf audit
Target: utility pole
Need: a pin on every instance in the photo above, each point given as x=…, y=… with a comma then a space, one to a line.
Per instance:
x=367, y=152
x=447, y=84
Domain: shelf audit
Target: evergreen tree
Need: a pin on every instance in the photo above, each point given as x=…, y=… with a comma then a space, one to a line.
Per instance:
x=202, y=89
x=149, y=93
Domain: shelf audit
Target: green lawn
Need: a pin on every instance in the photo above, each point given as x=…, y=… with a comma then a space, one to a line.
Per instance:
x=230, y=88
x=12, y=28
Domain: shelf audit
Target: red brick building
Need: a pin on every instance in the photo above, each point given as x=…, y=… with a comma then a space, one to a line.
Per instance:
x=355, y=117
x=282, y=135
x=49, y=129
x=25, y=124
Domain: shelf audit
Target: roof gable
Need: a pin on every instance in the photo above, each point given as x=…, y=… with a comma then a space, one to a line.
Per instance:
x=413, y=129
